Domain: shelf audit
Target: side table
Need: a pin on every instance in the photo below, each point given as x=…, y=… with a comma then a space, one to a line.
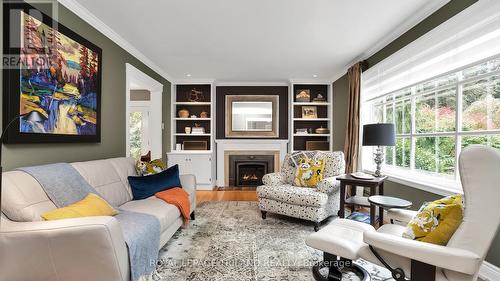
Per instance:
x=376, y=186
x=387, y=202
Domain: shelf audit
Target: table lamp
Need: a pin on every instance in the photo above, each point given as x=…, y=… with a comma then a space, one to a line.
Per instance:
x=380, y=134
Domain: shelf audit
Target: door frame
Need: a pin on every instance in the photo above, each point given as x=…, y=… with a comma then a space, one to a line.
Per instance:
x=138, y=80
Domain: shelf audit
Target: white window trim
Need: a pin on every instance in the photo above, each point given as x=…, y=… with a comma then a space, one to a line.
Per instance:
x=470, y=36
x=417, y=180
x=421, y=179
x=445, y=49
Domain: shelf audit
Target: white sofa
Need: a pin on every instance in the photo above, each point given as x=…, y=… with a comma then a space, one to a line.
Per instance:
x=89, y=248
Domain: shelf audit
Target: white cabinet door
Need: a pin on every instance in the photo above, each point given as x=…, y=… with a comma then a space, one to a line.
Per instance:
x=181, y=160
x=201, y=166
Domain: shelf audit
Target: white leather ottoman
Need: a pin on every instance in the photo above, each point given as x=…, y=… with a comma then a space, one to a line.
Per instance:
x=344, y=238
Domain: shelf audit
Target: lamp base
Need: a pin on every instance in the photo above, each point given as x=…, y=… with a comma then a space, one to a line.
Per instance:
x=379, y=159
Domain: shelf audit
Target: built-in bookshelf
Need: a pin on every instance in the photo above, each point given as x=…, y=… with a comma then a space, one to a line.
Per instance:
x=192, y=116
x=310, y=110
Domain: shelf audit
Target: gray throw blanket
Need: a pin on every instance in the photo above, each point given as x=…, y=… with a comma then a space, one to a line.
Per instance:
x=64, y=185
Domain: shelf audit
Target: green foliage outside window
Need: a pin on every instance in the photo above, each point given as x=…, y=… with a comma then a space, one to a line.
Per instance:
x=435, y=115
x=135, y=133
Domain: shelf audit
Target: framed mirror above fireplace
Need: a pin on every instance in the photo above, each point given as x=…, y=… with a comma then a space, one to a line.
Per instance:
x=252, y=116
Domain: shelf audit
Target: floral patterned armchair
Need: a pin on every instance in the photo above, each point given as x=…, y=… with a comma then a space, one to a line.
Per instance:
x=279, y=195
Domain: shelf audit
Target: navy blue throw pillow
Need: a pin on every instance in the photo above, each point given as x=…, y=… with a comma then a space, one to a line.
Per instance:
x=147, y=186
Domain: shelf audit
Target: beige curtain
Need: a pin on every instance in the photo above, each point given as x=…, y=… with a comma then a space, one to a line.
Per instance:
x=351, y=145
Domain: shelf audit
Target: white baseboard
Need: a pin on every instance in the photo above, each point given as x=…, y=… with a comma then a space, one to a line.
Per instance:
x=489, y=272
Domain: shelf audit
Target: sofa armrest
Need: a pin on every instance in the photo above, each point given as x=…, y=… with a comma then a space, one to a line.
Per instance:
x=90, y=248
x=188, y=182
x=328, y=185
x=273, y=179
x=444, y=257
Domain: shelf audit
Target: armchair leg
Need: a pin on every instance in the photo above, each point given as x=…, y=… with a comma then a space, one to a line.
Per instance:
x=264, y=214
x=193, y=216
x=316, y=226
x=422, y=271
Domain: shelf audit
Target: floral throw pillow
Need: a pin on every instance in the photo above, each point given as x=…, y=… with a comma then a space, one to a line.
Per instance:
x=309, y=172
x=150, y=168
x=437, y=221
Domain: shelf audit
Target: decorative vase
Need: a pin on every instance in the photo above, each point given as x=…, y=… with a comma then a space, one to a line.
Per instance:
x=187, y=130
x=183, y=113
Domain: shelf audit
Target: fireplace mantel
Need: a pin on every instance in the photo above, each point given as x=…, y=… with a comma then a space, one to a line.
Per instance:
x=225, y=146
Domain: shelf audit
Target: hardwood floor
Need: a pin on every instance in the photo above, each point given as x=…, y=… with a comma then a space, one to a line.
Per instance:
x=228, y=195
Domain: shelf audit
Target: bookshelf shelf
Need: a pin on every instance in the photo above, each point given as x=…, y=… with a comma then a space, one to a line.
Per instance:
x=321, y=109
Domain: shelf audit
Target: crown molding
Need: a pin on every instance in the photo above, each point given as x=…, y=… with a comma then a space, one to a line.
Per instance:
x=193, y=81
x=416, y=18
x=107, y=31
x=220, y=83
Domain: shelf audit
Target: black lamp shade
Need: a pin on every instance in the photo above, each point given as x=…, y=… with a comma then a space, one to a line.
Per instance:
x=382, y=134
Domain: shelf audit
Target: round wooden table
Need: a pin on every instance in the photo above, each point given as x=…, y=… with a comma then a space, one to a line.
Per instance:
x=387, y=202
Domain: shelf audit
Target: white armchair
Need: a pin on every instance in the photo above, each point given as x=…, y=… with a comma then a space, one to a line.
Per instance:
x=279, y=195
x=459, y=260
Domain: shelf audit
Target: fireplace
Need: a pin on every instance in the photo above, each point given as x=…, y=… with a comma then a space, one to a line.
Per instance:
x=248, y=170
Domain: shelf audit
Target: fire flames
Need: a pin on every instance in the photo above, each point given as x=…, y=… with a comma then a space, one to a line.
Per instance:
x=249, y=177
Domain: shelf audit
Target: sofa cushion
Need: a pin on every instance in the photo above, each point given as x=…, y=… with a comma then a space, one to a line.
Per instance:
x=437, y=221
x=165, y=213
x=334, y=165
x=23, y=199
x=290, y=194
x=146, y=186
x=125, y=167
x=104, y=177
x=309, y=172
x=90, y=206
x=145, y=168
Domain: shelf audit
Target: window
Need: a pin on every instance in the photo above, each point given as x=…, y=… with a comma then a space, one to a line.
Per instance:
x=139, y=137
x=437, y=118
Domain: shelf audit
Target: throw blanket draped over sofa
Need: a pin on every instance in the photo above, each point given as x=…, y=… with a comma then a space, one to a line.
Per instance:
x=64, y=185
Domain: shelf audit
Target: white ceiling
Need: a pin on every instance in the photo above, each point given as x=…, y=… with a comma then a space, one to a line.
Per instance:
x=257, y=40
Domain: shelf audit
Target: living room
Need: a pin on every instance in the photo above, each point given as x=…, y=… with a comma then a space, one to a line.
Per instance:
x=250, y=140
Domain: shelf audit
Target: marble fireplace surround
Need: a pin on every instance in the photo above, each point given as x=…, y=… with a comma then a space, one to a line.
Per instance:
x=227, y=147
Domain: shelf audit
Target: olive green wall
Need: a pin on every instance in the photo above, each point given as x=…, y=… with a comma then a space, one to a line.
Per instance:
x=113, y=142
x=417, y=196
x=339, y=113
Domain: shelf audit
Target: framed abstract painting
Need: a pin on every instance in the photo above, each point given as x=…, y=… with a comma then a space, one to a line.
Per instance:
x=52, y=84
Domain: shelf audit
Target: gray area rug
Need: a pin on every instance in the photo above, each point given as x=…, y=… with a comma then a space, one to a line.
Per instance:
x=230, y=241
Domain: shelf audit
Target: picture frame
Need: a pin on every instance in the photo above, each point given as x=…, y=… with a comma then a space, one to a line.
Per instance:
x=194, y=145
x=53, y=94
x=230, y=116
x=303, y=95
x=310, y=112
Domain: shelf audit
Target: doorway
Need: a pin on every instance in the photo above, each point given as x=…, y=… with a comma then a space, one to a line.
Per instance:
x=144, y=125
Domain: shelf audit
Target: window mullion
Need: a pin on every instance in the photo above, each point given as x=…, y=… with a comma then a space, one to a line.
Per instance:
x=412, y=127
x=393, y=104
x=458, y=123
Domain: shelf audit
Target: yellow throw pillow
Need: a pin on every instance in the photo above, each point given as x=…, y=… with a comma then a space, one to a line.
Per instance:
x=90, y=206
x=436, y=221
x=150, y=168
x=309, y=172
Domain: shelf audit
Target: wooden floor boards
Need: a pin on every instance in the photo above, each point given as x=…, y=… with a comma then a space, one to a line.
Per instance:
x=226, y=195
